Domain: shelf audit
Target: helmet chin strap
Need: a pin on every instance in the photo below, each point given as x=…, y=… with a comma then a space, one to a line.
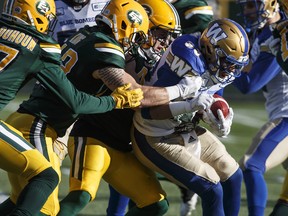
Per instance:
x=115, y=28
x=30, y=18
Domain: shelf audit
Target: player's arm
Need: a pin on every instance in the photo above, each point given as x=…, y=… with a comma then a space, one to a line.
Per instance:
x=153, y=96
x=55, y=80
x=201, y=102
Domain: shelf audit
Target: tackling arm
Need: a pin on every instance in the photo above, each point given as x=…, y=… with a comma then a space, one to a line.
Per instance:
x=153, y=96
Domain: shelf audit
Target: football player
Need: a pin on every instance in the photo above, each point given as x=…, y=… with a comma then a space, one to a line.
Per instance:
x=278, y=46
x=106, y=142
x=27, y=48
x=269, y=147
x=26, y=52
x=94, y=62
x=167, y=138
x=73, y=15
x=164, y=27
x=194, y=17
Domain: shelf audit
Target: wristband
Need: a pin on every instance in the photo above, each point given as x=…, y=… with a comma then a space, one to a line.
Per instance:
x=180, y=107
x=173, y=92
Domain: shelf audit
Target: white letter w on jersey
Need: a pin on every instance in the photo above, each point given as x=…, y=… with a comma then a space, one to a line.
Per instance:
x=215, y=33
x=179, y=66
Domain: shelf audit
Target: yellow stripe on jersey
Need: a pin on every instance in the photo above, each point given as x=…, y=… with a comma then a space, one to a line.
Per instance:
x=206, y=10
x=51, y=48
x=110, y=48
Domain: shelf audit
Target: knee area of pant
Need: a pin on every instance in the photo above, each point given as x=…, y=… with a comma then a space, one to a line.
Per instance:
x=249, y=165
x=248, y=168
x=238, y=174
x=215, y=191
x=50, y=176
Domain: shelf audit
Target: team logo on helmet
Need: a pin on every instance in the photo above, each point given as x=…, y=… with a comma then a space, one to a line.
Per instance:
x=42, y=7
x=134, y=16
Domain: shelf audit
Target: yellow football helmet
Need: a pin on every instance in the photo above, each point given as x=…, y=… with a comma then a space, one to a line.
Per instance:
x=256, y=12
x=127, y=19
x=225, y=47
x=164, y=27
x=37, y=13
x=162, y=14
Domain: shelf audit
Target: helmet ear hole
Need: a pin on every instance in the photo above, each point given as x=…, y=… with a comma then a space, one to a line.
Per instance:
x=39, y=21
x=123, y=25
x=209, y=50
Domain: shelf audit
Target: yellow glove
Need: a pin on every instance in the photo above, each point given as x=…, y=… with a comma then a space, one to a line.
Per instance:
x=126, y=98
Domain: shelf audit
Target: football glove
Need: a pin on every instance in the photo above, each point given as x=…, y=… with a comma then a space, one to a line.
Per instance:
x=201, y=102
x=125, y=98
x=273, y=44
x=60, y=149
x=189, y=86
x=220, y=127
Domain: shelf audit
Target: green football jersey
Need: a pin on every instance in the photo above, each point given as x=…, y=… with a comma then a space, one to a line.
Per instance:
x=26, y=53
x=88, y=50
x=194, y=15
x=98, y=51
x=83, y=53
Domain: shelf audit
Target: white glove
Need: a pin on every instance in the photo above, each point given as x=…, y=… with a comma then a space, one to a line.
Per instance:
x=201, y=102
x=189, y=86
x=220, y=127
x=274, y=45
x=271, y=45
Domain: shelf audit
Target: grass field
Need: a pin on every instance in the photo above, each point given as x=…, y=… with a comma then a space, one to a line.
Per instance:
x=247, y=120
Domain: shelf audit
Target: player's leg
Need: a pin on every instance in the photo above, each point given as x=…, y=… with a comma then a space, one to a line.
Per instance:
x=132, y=179
x=281, y=207
x=172, y=159
x=41, y=136
x=117, y=203
x=215, y=154
x=19, y=157
x=268, y=149
x=89, y=161
x=188, y=201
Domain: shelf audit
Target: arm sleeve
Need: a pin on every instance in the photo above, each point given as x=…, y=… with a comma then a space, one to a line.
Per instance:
x=262, y=71
x=54, y=80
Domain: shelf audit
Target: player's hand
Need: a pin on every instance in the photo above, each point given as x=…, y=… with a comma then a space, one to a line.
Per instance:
x=220, y=127
x=273, y=44
x=189, y=86
x=126, y=98
x=201, y=102
x=60, y=149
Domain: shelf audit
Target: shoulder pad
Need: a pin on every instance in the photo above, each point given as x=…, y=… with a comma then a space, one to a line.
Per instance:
x=184, y=55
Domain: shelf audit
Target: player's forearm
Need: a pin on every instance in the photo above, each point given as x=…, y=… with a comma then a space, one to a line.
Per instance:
x=154, y=96
x=156, y=113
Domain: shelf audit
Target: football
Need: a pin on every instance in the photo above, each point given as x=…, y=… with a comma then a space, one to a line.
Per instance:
x=219, y=103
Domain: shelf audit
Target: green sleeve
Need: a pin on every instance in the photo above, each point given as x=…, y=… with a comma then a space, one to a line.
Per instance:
x=54, y=80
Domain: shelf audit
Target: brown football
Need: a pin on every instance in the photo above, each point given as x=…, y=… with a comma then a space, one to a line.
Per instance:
x=219, y=103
